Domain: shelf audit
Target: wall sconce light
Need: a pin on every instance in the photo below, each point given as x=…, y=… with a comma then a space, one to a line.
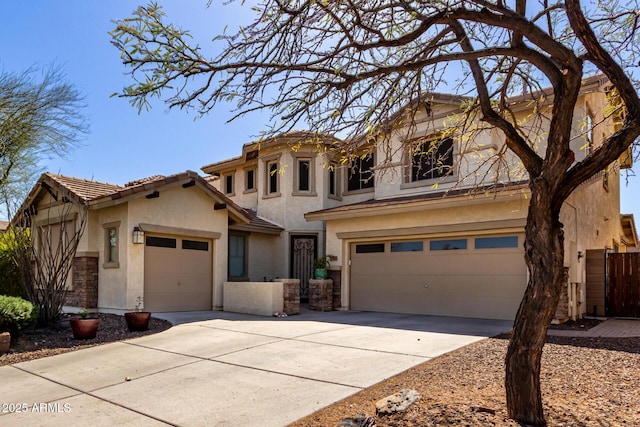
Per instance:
x=138, y=235
x=580, y=255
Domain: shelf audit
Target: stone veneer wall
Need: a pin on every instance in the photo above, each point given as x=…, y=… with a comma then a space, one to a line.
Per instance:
x=321, y=294
x=291, y=295
x=562, y=310
x=84, y=290
x=336, y=275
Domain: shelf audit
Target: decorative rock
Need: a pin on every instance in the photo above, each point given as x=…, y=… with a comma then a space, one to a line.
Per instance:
x=398, y=402
x=362, y=420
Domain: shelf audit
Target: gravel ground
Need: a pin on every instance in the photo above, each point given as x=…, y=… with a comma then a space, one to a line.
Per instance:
x=585, y=382
x=57, y=339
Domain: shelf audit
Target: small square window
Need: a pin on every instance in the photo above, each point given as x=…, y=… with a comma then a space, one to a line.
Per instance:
x=448, y=245
x=407, y=246
x=370, y=248
x=496, y=242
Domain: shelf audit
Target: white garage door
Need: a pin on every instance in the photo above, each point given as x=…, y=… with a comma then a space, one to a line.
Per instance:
x=177, y=273
x=482, y=276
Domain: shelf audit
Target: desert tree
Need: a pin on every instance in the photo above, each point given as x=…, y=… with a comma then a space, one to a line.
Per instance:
x=40, y=117
x=43, y=249
x=348, y=68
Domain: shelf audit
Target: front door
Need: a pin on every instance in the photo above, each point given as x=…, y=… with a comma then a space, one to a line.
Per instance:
x=303, y=253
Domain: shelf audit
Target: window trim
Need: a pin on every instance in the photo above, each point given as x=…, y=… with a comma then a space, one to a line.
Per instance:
x=246, y=180
x=333, y=168
x=297, y=159
x=245, y=277
x=107, y=263
x=267, y=181
x=225, y=180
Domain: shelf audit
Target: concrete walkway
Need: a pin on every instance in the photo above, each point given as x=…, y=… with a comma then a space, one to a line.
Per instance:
x=611, y=328
x=224, y=369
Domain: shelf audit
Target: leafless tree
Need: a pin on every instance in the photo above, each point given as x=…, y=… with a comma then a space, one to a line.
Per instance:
x=44, y=252
x=348, y=68
x=39, y=118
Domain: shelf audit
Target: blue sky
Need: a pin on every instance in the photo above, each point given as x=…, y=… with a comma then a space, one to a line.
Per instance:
x=122, y=145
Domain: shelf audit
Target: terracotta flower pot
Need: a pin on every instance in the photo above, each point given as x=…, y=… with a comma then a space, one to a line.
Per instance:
x=84, y=329
x=138, y=321
x=5, y=342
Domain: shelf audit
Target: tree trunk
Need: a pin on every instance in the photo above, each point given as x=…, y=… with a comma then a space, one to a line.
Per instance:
x=544, y=256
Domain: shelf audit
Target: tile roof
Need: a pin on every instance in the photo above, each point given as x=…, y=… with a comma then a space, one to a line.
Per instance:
x=84, y=189
x=261, y=222
x=98, y=194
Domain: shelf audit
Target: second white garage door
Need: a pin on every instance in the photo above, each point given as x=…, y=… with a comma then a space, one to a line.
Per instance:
x=177, y=273
x=483, y=276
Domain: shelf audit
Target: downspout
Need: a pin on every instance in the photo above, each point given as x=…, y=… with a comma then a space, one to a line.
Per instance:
x=574, y=288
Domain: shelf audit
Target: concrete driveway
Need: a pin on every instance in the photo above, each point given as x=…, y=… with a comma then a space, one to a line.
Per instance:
x=225, y=369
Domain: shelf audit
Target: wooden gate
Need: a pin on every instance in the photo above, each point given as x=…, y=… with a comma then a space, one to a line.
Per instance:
x=303, y=253
x=623, y=290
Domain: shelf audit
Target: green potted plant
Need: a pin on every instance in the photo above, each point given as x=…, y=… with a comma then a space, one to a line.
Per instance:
x=138, y=320
x=320, y=267
x=84, y=327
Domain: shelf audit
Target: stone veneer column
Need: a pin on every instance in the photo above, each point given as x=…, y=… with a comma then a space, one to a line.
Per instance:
x=321, y=294
x=562, y=310
x=336, y=276
x=84, y=290
x=291, y=295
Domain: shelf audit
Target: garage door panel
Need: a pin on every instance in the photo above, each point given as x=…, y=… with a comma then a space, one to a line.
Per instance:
x=468, y=282
x=178, y=279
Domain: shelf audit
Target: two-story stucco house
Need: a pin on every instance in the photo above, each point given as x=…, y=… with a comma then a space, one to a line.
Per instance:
x=410, y=229
x=419, y=231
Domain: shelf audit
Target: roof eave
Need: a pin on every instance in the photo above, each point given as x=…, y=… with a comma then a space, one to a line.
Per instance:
x=415, y=205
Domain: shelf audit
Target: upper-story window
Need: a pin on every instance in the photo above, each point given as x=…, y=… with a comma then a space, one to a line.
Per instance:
x=360, y=173
x=228, y=184
x=272, y=179
x=249, y=180
x=431, y=159
x=304, y=175
x=333, y=182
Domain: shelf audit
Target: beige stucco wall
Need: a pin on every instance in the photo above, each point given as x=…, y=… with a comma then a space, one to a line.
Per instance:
x=263, y=257
x=188, y=209
x=261, y=298
x=113, y=283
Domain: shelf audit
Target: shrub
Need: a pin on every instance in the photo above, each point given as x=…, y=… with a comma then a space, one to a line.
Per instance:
x=16, y=314
x=9, y=273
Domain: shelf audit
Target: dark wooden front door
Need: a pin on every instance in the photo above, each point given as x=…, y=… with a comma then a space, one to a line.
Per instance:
x=303, y=253
x=623, y=289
